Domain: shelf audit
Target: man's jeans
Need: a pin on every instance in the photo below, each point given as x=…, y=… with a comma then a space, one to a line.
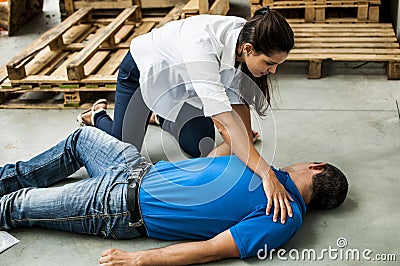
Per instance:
x=96, y=205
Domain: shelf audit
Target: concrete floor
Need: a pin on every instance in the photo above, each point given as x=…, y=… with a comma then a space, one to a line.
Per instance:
x=348, y=118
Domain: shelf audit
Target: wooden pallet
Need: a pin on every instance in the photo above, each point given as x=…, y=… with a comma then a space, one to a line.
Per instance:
x=108, y=7
x=346, y=42
x=16, y=13
x=79, y=55
x=55, y=98
x=324, y=10
x=196, y=7
x=68, y=7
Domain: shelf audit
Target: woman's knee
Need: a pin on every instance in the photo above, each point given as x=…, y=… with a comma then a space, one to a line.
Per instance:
x=197, y=137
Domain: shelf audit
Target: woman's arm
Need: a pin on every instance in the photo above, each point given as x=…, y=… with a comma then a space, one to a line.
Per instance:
x=220, y=247
x=241, y=114
x=238, y=139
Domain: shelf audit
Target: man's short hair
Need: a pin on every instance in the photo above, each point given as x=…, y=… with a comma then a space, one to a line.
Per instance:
x=329, y=189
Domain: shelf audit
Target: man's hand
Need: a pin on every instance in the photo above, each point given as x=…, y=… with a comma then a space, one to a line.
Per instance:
x=220, y=247
x=120, y=257
x=277, y=196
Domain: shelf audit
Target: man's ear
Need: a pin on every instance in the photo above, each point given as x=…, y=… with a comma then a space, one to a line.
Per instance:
x=317, y=166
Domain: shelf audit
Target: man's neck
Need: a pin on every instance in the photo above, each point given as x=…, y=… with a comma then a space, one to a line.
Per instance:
x=302, y=184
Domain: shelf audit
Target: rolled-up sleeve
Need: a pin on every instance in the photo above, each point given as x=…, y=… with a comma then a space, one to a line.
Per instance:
x=203, y=68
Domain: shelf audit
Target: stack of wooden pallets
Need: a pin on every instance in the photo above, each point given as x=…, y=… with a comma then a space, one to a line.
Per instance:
x=339, y=30
x=346, y=42
x=79, y=58
x=324, y=10
x=189, y=8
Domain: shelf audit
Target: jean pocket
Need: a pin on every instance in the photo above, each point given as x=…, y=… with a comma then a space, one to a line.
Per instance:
x=116, y=214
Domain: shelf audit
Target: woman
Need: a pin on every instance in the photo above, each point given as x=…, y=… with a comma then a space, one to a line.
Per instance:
x=187, y=72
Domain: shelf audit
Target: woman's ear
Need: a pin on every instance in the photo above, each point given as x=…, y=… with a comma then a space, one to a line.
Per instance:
x=248, y=48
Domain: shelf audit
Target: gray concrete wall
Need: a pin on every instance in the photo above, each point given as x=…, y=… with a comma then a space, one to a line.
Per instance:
x=395, y=14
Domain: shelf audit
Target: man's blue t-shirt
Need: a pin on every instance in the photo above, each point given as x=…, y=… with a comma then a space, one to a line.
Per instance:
x=200, y=198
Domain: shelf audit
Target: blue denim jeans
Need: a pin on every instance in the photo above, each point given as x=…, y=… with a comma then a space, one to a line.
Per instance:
x=96, y=205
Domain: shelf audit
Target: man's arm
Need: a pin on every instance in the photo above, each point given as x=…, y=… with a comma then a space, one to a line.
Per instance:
x=220, y=247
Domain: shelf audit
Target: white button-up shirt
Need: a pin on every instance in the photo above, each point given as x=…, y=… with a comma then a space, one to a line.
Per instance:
x=192, y=61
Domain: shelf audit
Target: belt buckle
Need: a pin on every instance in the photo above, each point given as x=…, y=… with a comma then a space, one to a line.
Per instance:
x=137, y=224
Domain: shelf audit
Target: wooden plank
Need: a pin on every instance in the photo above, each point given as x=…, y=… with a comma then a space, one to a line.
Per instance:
x=52, y=100
x=60, y=72
x=6, y=84
x=342, y=20
x=346, y=45
x=121, y=4
x=343, y=57
x=320, y=12
x=152, y=19
x=333, y=25
x=373, y=13
x=56, y=80
x=309, y=13
x=49, y=68
x=113, y=63
x=174, y=14
x=73, y=33
x=69, y=7
x=72, y=99
x=345, y=39
x=203, y=6
x=191, y=7
x=315, y=69
x=3, y=74
x=49, y=36
x=44, y=57
x=372, y=31
x=342, y=34
x=365, y=57
x=354, y=51
x=100, y=79
x=317, y=4
x=47, y=59
x=123, y=33
x=58, y=89
x=362, y=11
x=75, y=68
x=95, y=62
x=159, y=3
x=220, y=7
x=145, y=27
x=393, y=70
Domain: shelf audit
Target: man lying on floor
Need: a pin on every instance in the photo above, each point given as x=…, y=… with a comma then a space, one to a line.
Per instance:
x=218, y=201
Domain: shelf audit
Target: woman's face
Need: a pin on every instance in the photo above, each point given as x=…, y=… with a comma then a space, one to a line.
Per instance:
x=260, y=64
